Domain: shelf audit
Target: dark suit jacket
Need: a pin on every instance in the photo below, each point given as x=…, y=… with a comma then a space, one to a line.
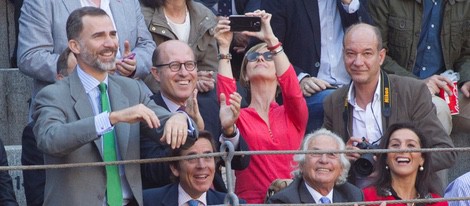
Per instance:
x=158, y=174
x=296, y=24
x=410, y=102
x=65, y=132
x=297, y=192
x=168, y=196
x=7, y=194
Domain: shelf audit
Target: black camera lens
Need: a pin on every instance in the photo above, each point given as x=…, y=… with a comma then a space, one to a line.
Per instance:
x=364, y=166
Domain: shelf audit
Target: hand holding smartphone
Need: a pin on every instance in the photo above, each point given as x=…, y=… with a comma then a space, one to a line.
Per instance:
x=130, y=56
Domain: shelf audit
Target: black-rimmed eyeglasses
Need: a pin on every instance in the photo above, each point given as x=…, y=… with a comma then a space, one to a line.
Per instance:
x=253, y=56
x=176, y=66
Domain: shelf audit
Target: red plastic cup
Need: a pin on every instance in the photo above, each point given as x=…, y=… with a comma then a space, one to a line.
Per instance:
x=452, y=101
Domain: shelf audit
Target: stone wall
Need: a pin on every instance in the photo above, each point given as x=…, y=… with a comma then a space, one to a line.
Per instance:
x=16, y=90
x=7, y=33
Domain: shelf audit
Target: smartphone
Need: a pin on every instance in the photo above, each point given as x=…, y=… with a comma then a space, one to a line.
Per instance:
x=244, y=23
x=130, y=56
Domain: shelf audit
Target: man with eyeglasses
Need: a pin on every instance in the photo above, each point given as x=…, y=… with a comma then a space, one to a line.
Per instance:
x=175, y=69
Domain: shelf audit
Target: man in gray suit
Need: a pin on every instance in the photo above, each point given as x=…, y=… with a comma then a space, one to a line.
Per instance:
x=70, y=127
x=320, y=177
x=42, y=38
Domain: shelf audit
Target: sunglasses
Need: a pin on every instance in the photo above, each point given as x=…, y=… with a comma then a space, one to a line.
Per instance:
x=253, y=56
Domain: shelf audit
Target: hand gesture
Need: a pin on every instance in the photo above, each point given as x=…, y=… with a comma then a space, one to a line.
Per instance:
x=350, y=146
x=466, y=89
x=205, y=81
x=192, y=109
x=176, y=130
x=127, y=65
x=228, y=113
x=266, y=32
x=137, y=113
x=223, y=35
x=312, y=85
x=437, y=82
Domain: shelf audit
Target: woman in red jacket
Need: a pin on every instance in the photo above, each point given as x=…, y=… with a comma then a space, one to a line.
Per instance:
x=264, y=124
x=403, y=175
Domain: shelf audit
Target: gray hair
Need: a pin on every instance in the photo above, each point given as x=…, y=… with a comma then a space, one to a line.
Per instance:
x=299, y=159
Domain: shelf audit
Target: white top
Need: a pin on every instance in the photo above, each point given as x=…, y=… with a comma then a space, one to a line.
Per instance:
x=367, y=123
x=181, y=30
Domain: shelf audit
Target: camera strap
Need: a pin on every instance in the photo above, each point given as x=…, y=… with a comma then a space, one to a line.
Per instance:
x=386, y=103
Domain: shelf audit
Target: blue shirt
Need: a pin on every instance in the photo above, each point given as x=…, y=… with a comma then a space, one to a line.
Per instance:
x=460, y=187
x=429, y=60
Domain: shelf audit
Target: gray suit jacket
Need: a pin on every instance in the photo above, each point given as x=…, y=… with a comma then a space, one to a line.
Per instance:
x=65, y=132
x=410, y=102
x=297, y=192
x=42, y=36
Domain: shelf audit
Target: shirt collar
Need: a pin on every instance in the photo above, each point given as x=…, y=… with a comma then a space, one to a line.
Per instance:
x=352, y=95
x=183, y=197
x=172, y=106
x=316, y=195
x=88, y=81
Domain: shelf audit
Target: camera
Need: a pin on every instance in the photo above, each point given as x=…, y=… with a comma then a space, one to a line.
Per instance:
x=364, y=166
x=244, y=23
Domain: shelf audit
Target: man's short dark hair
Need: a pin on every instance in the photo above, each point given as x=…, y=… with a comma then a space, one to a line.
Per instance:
x=74, y=22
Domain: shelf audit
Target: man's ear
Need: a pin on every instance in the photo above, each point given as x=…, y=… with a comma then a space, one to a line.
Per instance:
x=74, y=46
x=174, y=170
x=382, y=55
x=155, y=74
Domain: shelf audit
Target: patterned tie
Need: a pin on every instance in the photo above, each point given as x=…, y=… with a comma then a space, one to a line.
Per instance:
x=225, y=7
x=193, y=203
x=113, y=181
x=325, y=200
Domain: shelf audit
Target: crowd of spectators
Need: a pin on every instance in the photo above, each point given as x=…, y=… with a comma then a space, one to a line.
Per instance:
x=138, y=79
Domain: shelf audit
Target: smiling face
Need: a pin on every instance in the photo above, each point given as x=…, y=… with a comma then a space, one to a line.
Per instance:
x=97, y=44
x=176, y=86
x=362, y=57
x=196, y=175
x=404, y=164
x=321, y=171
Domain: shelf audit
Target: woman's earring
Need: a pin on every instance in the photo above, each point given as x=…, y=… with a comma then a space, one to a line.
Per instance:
x=386, y=167
x=421, y=168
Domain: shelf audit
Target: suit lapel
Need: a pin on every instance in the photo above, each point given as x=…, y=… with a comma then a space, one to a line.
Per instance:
x=71, y=5
x=304, y=194
x=118, y=102
x=337, y=196
x=311, y=6
x=172, y=196
x=159, y=100
x=82, y=105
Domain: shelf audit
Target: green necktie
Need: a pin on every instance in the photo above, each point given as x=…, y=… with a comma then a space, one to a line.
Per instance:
x=113, y=181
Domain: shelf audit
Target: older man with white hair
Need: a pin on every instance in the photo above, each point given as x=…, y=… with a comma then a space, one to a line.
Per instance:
x=320, y=177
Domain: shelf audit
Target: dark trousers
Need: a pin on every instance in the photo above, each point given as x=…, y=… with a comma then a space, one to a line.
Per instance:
x=34, y=180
